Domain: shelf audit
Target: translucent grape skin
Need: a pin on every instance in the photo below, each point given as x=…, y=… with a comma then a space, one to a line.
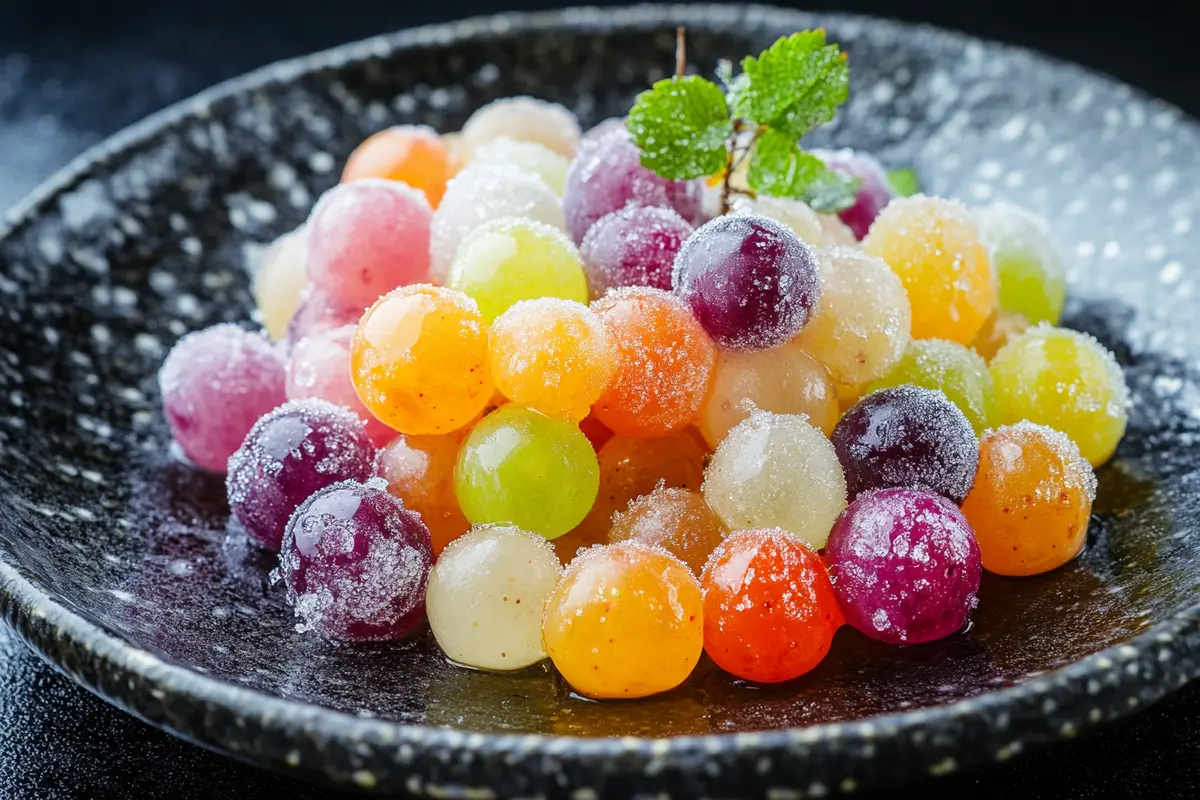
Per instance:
x=356, y=563
x=677, y=520
x=633, y=246
x=1029, y=264
x=750, y=282
x=957, y=372
x=420, y=471
x=526, y=119
x=280, y=281
x=318, y=313
x=874, y=192
x=531, y=157
x=907, y=437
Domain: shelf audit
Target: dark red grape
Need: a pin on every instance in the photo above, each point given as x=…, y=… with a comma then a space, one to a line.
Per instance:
x=874, y=192
x=635, y=246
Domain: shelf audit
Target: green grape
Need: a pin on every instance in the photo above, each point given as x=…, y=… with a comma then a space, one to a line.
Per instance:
x=961, y=374
x=1067, y=381
x=530, y=157
x=511, y=259
x=1027, y=260
x=521, y=467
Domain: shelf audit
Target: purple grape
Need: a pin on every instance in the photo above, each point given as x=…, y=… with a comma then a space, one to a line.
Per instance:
x=356, y=563
x=874, y=192
x=608, y=174
x=634, y=246
x=602, y=129
x=905, y=566
x=751, y=283
x=300, y=447
x=215, y=384
x=318, y=313
x=907, y=437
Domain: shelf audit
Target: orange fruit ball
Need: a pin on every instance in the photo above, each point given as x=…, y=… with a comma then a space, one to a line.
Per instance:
x=624, y=622
x=420, y=471
x=1031, y=501
x=414, y=154
x=769, y=609
x=419, y=360
x=664, y=365
x=1000, y=327
x=677, y=520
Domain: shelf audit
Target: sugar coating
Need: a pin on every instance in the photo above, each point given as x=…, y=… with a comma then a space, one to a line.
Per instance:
x=933, y=244
x=677, y=520
x=280, y=281
x=959, y=373
x=625, y=621
x=215, y=384
x=751, y=283
x=874, y=192
x=863, y=321
x=776, y=471
x=783, y=380
x=1066, y=380
x=526, y=119
x=356, y=564
x=664, y=365
x=905, y=566
x=420, y=471
x=602, y=129
x=482, y=193
x=1000, y=327
x=486, y=596
x=300, y=447
x=815, y=230
x=554, y=356
x=412, y=154
x=506, y=260
x=318, y=313
x=319, y=366
x=907, y=437
x=1028, y=261
x=633, y=246
x=367, y=237
x=531, y=157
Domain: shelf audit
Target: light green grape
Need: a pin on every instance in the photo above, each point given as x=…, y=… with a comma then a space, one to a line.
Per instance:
x=531, y=157
x=1027, y=260
x=511, y=259
x=961, y=374
x=521, y=467
x=1066, y=380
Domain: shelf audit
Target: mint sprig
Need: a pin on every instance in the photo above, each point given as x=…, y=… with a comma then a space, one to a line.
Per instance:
x=682, y=126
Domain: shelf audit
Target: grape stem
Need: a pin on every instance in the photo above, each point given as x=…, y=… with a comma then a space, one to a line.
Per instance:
x=680, y=51
x=737, y=154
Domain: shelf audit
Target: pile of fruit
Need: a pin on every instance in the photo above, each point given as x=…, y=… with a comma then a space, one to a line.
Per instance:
x=739, y=420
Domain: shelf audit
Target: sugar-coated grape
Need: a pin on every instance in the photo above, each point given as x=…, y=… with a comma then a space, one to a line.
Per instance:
x=318, y=313
x=608, y=175
x=776, y=471
x=874, y=192
x=625, y=621
x=553, y=356
x=602, y=129
x=751, y=283
x=419, y=360
x=1031, y=501
x=769, y=611
x=816, y=230
x=905, y=565
x=486, y=595
x=526, y=119
x=783, y=380
x=412, y=154
x=366, y=238
x=481, y=194
x=907, y=437
x=356, y=563
x=531, y=157
x=215, y=384
x=1000, y=327
x=1028, y=262
x=633, y=246
x=933, y=244
x=957, y=372
x=522, y=467
x=300, y=447
x=280, y=281
x=511, y=259
x=677, y=520
x=862, y=324
x=664, y=363
x=420, y=471
x=1067, y=380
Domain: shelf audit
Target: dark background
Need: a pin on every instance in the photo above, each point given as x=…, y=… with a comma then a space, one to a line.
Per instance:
x=73, y=72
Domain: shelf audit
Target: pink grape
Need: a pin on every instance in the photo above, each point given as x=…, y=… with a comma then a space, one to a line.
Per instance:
x=634, y=246
x=874, y=192
x=602, y=129
x=318, y=313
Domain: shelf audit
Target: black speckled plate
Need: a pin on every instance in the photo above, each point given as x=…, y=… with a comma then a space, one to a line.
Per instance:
x=115, y=558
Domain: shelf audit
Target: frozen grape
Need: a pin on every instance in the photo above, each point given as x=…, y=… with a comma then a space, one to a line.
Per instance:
x=677, y=520
x=412, y=154
x=776, y=471
x=634, y=246
x=751, y=283
x=602, y=129
x=300, y=447
x=906, y=566
x=486, y=595
x=874, y=192
x=531, y=157
x=1028, y=262
x=524, y=468
x=815, y=230
x=366, y=238
x=215, y=384
x=318, y=313
x=907, y=437
x=280, y=281
x=952, y=369
x=526, y=119
x=420, y=471
x=511, y=259
x=356, y=564
x=1000, y=327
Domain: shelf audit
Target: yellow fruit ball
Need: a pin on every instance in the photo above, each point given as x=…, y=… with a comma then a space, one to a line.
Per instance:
x=280, y=282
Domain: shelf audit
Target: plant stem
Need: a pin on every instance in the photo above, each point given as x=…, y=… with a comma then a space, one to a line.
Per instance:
x=680, y=51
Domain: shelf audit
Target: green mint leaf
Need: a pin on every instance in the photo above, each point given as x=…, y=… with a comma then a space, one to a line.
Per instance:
x=682, y=126
x=780, y=168
x=905, y=182
x=795, y=84
x=831, y=191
